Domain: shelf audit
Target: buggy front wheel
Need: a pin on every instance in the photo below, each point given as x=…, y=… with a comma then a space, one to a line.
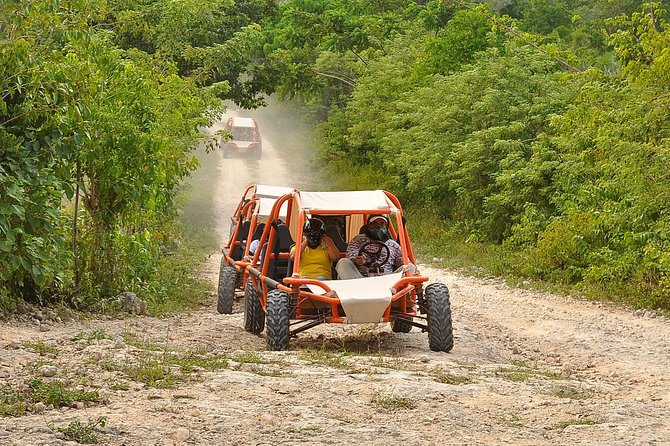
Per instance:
x=226, y=291
x=440, y=332
x=277, y=320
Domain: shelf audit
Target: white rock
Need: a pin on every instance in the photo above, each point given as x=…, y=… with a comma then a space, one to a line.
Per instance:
x=48, y=371
x=180, y=435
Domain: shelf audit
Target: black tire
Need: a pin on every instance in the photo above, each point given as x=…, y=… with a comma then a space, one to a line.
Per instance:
x=440, y=332
x=254, y=317
x=400, y=326
x=226, y=291
x=277, y=320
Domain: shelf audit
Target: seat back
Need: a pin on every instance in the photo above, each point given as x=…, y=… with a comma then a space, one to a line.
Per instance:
x=238, y=249
x=278, y=263
x=258, y=231
x=332, y=232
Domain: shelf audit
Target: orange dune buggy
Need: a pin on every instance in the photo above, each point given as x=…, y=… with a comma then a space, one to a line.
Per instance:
x=277, y=298
x=247, y=223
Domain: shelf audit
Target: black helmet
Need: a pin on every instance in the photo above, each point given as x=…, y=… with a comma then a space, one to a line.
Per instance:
x=314, y=232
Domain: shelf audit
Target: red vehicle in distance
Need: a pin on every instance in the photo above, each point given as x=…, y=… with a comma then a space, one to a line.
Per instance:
x=244, y=138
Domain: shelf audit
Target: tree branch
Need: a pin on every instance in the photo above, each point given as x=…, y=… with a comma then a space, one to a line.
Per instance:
x=339, y=77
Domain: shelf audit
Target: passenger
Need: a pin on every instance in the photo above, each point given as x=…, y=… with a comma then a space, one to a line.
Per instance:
x=355, y=266
x=253, y=246
x=318, y=252
x=255, y=238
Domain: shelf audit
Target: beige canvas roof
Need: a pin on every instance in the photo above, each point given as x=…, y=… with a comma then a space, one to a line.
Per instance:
x=265, y=205
x=242, y=122
x=363, y=200
x=266, y=191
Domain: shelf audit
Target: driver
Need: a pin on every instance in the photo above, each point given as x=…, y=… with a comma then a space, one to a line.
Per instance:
x=374, y=259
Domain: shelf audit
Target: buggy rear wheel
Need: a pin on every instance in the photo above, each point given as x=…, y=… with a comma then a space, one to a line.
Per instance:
x=400, y=326
x=440, y=332
x=254, y=317
x=277, y=320
x=226, y=291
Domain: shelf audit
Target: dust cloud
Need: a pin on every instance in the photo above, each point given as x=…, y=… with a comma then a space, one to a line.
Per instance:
x=213, y=191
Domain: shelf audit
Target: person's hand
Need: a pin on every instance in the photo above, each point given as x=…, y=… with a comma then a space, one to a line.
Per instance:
x=358, y=260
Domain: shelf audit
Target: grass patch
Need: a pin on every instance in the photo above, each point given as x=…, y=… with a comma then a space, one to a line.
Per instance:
x=515, y=375
x=325, y=357
x=152, y=371
x=552, y=375
x=447, y=378
x=191, y=361
x=93, y=335
x=570, y=392
x=513, y=420
x=176, y=284
x=265, y=372
x=248, y=358
x=142, y=343
x=391, y=401
x=393, y=363
x=165, y=370
x=41, y=348
x=166, y=408
x=577, y=421
x=20, y=401
x=85, y=433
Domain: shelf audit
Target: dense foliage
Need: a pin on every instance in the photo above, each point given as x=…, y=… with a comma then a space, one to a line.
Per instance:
x=538, y=125
x=100, y=108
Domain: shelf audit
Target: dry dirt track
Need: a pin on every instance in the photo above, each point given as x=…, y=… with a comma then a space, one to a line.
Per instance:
x=527, y=368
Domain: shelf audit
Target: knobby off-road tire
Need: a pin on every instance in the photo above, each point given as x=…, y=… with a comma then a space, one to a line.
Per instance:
x=254, y=317
x=400, y=326
x=440, y=332
x=277, y=320
x=226, y=291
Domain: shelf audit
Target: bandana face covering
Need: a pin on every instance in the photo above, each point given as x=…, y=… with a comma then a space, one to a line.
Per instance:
x=379, y=234
x=314, y=232
x=314, y=238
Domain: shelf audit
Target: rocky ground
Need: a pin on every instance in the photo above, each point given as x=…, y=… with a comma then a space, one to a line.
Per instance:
x=527, y=368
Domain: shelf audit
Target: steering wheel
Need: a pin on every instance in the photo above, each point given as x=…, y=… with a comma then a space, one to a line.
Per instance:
x=377, y=253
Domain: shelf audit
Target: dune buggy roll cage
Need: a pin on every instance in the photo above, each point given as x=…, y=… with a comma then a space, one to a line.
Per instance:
x=357, y=207
x=257, y=202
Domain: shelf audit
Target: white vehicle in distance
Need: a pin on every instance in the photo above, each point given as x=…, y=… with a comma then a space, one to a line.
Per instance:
x=246, y=139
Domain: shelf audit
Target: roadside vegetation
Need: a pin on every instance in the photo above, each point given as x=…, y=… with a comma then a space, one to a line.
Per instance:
x=528, y=138
x=101, y=106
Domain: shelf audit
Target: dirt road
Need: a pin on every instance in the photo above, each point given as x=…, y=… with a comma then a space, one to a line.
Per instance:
x=527, y=368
